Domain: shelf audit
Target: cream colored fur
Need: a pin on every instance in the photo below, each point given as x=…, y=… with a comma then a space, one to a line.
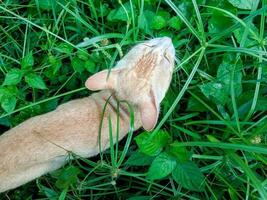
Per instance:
x=41, y=144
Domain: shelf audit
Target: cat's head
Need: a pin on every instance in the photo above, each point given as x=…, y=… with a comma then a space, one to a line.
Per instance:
x=141, y=77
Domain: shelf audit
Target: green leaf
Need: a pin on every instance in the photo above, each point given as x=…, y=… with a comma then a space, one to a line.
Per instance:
x=155, y=146
x=55, y=63
x=219, y=91
x=250, y=41
x=13, y=77
x=175, y=23
x=64, y=48
x=179, y=152
x=46, y=4
x=243, y=4
x=224, y=73
x=161, y=167
x=158, y=22
x=195, y=105
x=27, y=61
x=83, y=55
x=215, y=24
x=90, y=66
x=77, y=64
x=8, y=103
x=215, y=91
x=35, y=81
x=166, y=15
x=68, y=177
x=139, y=159
x=120, y=14
x=145, y=21
x=189, y=176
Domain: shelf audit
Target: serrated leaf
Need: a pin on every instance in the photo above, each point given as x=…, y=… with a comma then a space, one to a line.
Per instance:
x=13, y=77
x=120, y=13
x=77, y=64
x=158, y=22
x=35, y=81
x=51, y=4
x=154, y=146
x=67, y=177
x=189, y=176
x=175, y=23
x=215, y=91
x=27, y=61
x=145, y=21
x=243, y=4
x=90, y=66
x=161, y=166
x=64, y=48
x=83, y=55
x=219, y=91
x=8, y=103
x=179, y=152
x=224, y=73
x=55, y=63
x=46, y=4
x=250, y=40
x=139, y=159
x=215, y=24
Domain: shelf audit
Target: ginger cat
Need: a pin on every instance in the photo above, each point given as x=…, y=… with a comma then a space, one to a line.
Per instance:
x=41, y=144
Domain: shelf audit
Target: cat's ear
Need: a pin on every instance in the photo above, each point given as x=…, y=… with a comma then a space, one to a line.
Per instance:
x=102, y=80
x=149, y=112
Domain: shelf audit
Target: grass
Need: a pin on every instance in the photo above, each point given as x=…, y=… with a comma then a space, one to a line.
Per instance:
x=210, y=142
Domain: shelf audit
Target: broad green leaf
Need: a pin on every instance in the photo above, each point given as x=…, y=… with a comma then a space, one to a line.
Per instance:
x=195, y=105
x=189, y=176
x=243, y=4
x=215, y=91
x=215, y=24
x=139, y=159
x=48, y=5
x=77, y=64
x=64, y=48
x=250, y=41
x=35, y=81
x=120, y=14
x=219, y=91
x=27, y=61
x=166, y=15
x=224, y=73
x=68, y=177
x=155, y=146
x=8, y=103
x=179, y=152
x=49, y=193
x=145, y=21
x=158, y=22
x=175, y=23
x=55, y=63
x=83, y=55
x=161, y=166
x=13, y=77
x=90, y=66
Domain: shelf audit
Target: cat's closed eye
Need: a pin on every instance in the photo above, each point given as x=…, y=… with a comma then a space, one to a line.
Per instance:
x=165, y=55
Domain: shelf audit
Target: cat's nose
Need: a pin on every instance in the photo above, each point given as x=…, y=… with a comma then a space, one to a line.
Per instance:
x=166, y=40
x=164, y=43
